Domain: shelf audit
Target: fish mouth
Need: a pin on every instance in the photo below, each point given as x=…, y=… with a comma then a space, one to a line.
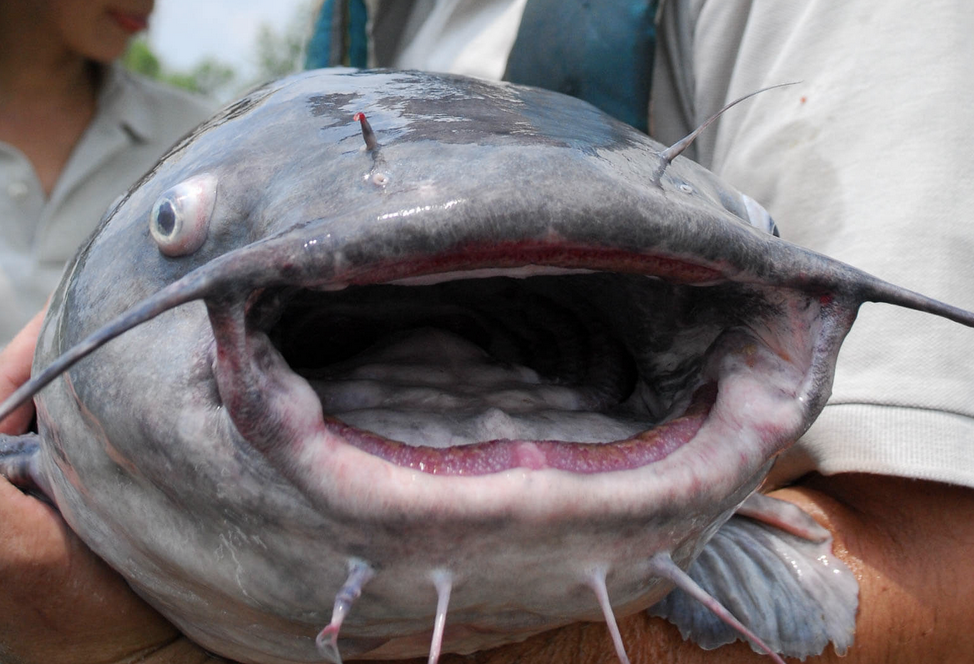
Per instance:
x=480, y=375
x=521, y=417
x=478, y=372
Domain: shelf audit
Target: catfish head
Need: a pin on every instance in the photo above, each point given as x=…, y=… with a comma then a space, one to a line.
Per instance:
x=400, y=356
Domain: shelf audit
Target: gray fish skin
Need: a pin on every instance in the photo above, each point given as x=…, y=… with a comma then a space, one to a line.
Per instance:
x=190, y=457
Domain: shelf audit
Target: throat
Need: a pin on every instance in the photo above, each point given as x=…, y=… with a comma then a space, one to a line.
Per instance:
x=433, y=388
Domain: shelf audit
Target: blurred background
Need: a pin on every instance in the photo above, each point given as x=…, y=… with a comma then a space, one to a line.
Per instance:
x=222, y=48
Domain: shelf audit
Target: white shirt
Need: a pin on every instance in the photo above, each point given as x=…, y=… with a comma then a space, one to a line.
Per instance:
x=466, y=37
x=136, y=121
x=868, y=159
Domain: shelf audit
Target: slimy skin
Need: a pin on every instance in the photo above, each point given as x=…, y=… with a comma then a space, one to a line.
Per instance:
x=482, y=364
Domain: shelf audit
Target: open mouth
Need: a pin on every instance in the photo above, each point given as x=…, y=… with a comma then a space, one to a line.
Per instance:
x=582, y=371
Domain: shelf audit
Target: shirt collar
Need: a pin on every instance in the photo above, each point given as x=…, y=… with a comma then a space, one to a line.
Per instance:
x=123, y=101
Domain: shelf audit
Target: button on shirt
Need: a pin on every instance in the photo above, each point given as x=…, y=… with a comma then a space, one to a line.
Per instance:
x=136, y=121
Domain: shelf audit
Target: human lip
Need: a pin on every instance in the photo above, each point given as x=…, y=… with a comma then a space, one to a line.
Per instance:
x=130, y=22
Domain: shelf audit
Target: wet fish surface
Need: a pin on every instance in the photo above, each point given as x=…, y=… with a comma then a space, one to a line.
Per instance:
x=381, y=364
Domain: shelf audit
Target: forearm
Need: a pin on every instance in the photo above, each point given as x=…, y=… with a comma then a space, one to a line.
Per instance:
x=909, y=544
x=178, y=651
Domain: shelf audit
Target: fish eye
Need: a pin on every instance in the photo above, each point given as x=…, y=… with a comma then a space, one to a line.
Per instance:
x=180, y=219
x=758, y=217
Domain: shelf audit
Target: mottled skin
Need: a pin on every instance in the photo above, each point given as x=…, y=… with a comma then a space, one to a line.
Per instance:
x=204, y=472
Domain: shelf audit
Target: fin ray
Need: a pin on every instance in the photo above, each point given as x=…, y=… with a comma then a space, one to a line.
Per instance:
x=791, y=591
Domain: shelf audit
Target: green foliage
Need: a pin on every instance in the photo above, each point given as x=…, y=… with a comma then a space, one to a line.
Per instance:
x=140, y=59
x=282, y=53
x=277, y=54
x=184, y=80
x=209, y=76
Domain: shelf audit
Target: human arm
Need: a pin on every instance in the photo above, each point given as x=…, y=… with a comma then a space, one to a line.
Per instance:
x=15, y=361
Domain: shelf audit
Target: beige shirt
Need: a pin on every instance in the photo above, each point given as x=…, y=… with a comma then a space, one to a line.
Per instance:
x=136, y=122
x=869, y=159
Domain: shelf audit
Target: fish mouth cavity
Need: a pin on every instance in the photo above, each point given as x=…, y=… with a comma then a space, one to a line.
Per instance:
x=584, y=371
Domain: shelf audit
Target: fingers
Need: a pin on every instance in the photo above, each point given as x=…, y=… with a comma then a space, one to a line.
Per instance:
x=61, y=604
x=15, y=361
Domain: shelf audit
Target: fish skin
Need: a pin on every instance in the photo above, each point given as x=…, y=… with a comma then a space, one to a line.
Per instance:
x=251, y=535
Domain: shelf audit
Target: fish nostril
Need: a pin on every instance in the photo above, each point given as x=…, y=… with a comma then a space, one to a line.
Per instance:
x=371, y=143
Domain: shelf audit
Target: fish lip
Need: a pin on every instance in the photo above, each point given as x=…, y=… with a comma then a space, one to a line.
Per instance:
x=340, y=477
x=500, y=455
x=703, y=475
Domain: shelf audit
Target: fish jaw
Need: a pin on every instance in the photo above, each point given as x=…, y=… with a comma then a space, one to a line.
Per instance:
x=520, y=524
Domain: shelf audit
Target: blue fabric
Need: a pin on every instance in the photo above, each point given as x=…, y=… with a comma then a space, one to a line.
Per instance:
x=346, y=22
x=319, y=47
x=601, y=52
x=358, y=41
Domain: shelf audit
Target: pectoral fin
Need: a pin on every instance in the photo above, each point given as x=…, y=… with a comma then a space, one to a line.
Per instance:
x=774, y=570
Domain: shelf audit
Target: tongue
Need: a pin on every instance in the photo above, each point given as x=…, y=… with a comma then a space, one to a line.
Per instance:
x=435, y=389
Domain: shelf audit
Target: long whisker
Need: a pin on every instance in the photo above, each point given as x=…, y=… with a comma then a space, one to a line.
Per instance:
x=670, y=153
x=359, y=573
x=168, y=298
x=597, y=582
x=234, y=270
x=443, y=580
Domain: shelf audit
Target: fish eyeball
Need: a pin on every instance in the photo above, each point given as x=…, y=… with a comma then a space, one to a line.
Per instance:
x=758, y=217
x=180, y=219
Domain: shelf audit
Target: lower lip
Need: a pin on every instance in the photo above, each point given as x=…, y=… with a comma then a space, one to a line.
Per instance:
x=498, y=456
x=131, y=23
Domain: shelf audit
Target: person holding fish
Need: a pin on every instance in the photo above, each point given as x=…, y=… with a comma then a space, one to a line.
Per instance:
x=886, y=469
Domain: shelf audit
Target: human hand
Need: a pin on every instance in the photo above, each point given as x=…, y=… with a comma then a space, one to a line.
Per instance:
x=15, y=362
x=60, y=603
